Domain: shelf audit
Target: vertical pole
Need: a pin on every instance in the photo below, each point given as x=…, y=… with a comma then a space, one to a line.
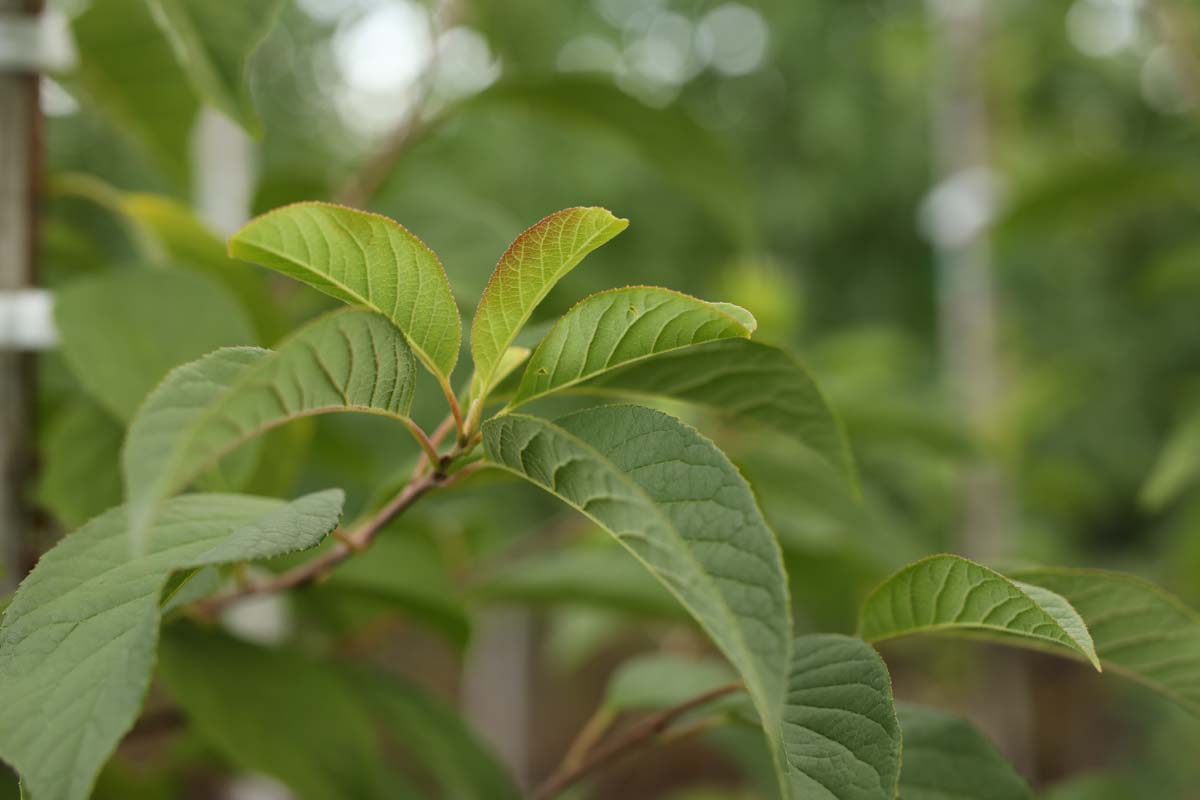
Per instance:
x=958, y=213
x=20, y=136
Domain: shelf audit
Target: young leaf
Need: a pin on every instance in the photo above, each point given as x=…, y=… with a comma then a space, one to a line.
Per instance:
x=840, y=733
x=121, y=331
x=945, y=756
x=743, y=378
x=77, y=643
x=949, y=594
x=316, y=725
x=674, y=500
x=127, y=68
x=619, y=326
x=527, y=271
x=365, y=260
x=213, y=44
x=1140, y=630
x=661, y=680
x=349, y=360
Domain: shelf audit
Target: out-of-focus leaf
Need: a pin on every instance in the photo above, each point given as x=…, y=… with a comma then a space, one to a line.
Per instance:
x=77, y=643
x=277, y=713
x=350, y=360
x=1177, y=468
x=668, y=139
x=948, y=594
x=840, y=733
x=673, y=499
x=946, y=757
x=1140, y=630
x=661, y=680
x=123, y=330
x=365, y=260
x=526, y=273
x=213, y=43
x=81, y=457
x=604, y=577
x=322, y=728
x=745, y=379
x=620, y=326
x=127, y=68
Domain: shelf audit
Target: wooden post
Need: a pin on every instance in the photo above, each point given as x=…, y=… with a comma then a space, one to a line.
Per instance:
x=20, y=156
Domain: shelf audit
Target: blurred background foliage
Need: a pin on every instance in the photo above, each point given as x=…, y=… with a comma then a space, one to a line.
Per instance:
x=775, y=154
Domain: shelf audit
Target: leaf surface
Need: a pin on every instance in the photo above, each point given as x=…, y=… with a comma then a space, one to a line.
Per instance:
x=944, y=756
x=123, y=330
x=526, y=273
x=213, y=43
x=350, y=360
x=674, y=500
x=365, y=260
x=1140, y=630
x=840, y=733
x=77, y=643
x=949, y=594
x=621, y=326
x=661, y=680
x=745, y=379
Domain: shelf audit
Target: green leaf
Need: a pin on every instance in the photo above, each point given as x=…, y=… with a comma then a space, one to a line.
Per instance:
x=676, y=503
x=77, y=643
x=745, y=379
x=951, y=595
x=316, y=725
x=528, y=270
x=121, y=331
x=840, y=732
x=366, y=260
x=945, y=757
x=349, y=360
x=620, y=326
x=1140, y=630
x=80, y=473
x=127, y=67
x=213, y=43
x=661, y=680
x=1177, y=467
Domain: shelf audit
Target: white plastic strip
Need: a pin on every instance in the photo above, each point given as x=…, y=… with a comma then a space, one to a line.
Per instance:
x=36, y=43
x=27, y=320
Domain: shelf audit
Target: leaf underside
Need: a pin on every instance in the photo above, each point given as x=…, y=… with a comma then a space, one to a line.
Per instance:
x=78, y=641
x=350, y=360
x=673, y=499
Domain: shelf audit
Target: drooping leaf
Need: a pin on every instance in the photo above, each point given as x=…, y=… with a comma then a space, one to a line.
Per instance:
x=317, y=725
x=350, y=360
x=1140, y=630
x=213, y=43
x=527, y=271
x=621, y=326
x=840, y=733
x=743, y=378
x=673, y=499
x=1177, y=467
x=123, y=330
x=950, y=595
x=81, y=457
x=945, y=756
x=128, y=69
x=77, y=643
x=661, y=680
x=366, y=260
